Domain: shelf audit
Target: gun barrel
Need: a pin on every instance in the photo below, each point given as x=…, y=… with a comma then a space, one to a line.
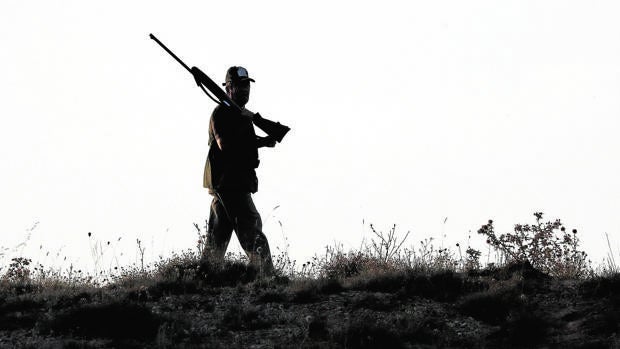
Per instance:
x=215, y=89
x=170, y=52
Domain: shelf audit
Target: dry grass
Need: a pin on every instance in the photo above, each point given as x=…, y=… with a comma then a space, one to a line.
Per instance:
x=384, y=275
x=548, y=246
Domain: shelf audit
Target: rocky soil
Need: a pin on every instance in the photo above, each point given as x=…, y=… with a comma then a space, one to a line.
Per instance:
x=512, y=307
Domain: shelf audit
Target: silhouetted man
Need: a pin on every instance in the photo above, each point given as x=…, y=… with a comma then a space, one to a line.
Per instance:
x=230, y=176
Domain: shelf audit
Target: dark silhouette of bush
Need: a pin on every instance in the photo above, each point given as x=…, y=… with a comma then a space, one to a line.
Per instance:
x=380, y=282
x=116, y=320
x=440, y=286
x=308, y=293
x=445, y=286
x=228, y=273
x=19, y=313
x=330, y=286
x=166, y=288
x=189, y=267
x=601, y=286
x=311, y=290
x=492, y=306
x=272, y=296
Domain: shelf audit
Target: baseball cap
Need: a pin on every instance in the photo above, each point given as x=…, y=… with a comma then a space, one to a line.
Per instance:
x=236, y=74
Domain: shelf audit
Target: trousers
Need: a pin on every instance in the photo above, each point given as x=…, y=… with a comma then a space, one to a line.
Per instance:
x=230, y=211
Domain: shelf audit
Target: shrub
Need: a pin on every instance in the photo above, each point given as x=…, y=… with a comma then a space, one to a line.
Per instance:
x=473, y=259
x=338, y=264
x=548, y=246
x=116, y=320
x=382, y=255
x=19, y=269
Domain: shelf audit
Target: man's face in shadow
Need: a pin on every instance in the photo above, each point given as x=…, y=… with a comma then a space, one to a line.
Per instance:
x=239, y=92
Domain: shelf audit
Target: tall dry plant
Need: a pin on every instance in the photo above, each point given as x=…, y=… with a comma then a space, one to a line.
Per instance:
x=610, y=267
x=388, y=245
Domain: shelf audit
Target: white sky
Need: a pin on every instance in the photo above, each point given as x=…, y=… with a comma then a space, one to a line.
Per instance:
x=402, y=112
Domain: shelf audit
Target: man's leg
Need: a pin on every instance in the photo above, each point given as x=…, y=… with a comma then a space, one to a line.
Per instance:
x=249, y=229
x=219, y=230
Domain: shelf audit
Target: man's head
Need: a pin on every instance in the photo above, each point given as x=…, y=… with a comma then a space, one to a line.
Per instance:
x=238, y=85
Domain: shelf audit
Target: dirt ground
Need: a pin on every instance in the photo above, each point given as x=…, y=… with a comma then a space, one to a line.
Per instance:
x=516, y=307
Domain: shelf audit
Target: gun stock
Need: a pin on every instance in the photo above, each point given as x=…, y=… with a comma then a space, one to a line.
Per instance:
x=274, y=129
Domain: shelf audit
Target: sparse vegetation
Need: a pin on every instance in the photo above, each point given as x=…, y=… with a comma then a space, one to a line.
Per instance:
x=387, y=293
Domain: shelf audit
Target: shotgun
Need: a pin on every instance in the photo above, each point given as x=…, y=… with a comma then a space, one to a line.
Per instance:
x=274, y=129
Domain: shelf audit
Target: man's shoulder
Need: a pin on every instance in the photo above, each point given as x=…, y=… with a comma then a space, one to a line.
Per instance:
x=221, y=116
x=220, y=110
x=223, y=112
